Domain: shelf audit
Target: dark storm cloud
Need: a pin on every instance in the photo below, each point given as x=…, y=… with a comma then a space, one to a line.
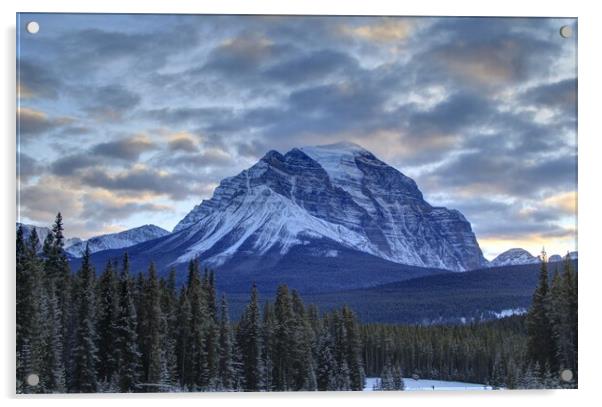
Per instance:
x=125, y=149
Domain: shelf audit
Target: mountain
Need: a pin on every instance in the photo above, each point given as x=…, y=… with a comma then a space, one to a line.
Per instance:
x=119, y=240
x=514, y=257
x=340, y=195
x=317, y=218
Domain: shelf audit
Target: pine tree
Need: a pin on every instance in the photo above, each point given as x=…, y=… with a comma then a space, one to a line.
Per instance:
x=267, y=340
x=183, y=350
x=284, y=341
x=22, y=305
x=540, y=345
x=33, y=315
x=198, y=324
x=126, y=338
x=211, y=339
x=56, y=268
x=85, y=351
x=249, y=341
x=151, y=327
x=108, y=313
x=169, y=329
x=54, y=368
x=353, y=350
x=327, y=368
x=226, y=372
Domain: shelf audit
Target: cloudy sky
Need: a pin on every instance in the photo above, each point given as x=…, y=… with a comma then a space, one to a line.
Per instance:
x=129, y=120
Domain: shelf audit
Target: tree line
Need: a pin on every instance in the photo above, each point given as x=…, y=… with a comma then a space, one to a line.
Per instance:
x=520, y=352
x=120, y=332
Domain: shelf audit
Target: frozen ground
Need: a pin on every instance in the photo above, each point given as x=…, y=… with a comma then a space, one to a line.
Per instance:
x=430, y=385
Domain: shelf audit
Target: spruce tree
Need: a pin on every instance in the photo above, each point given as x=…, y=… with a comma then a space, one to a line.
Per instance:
x=226, y=372
x=108, y=314
x=249, y=341
x=126, y=338
x=151, y=327
x=85, y=351
x=540, y=344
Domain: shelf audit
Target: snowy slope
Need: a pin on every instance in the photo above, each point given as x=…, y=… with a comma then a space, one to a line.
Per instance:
x=338, y=192
x=429, y=385
x=119, y=240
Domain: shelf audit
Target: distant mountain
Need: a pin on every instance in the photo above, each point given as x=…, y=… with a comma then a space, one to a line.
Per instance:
x=42, y=232
x=119, y=240
x=514, y=257
x=556, y=257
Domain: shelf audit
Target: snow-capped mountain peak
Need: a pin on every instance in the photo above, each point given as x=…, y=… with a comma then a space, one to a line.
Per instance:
x=338, y=193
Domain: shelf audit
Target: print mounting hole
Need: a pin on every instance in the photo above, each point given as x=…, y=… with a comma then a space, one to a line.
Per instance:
x=33, y=379
x=33, y=27
x=566, y=375
x=566, y=31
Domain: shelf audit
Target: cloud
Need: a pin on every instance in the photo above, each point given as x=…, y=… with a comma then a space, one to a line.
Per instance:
x=110, y=102
x=383, y=30
x=471, y=108
x=42, y=201
x=31, y=122
x=565, y=202
x=560, y=95
x=139, y=179
x=27, y=167
x=68, y=165
x=243, y=55
x=316, y=65
x=36, y=81
x=128, y=149
x=183, y=142
x=105, y=207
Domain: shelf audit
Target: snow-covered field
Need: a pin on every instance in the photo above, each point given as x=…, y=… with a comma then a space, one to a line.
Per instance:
x=430, y=385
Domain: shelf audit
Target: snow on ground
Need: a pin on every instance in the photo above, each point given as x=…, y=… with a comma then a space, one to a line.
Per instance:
x=430, y=385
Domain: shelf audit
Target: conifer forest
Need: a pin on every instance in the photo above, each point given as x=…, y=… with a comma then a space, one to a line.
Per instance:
x=124, y=330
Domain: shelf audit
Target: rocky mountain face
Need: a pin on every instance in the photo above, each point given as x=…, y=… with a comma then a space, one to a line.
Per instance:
x=119, y=240
x=326, y=198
